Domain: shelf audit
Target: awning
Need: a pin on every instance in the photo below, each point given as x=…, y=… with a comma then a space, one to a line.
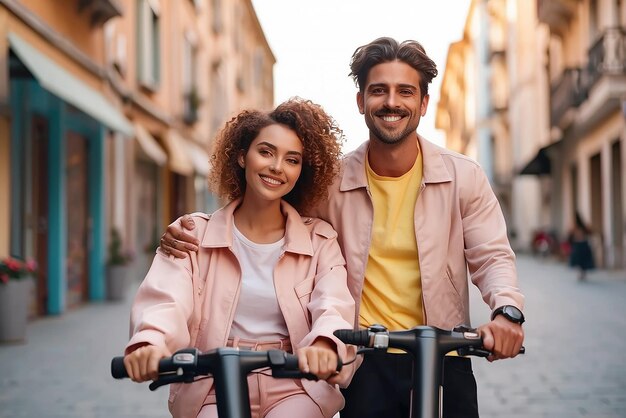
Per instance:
x=63, y=84
x=540, y=164
x=149, y=145
x=199, y=158
x=179, y=161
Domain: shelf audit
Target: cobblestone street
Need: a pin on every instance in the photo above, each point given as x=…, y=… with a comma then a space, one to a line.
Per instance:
x=574, y=366
x=575, y=336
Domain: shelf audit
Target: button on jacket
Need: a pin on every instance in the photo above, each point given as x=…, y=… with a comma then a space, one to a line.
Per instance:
x=459, y=227
x=191, y=302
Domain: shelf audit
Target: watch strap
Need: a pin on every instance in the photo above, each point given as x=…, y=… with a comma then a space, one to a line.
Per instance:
x=500, y=311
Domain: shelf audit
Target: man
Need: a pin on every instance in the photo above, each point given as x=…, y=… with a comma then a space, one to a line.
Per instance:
x=412, y=220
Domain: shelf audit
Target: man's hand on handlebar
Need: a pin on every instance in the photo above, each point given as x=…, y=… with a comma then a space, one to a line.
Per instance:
x=502, y=337
x=143, y=363
x=175, y=241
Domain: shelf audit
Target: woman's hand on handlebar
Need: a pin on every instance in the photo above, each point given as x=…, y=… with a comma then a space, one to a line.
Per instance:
x=175, y=241
x=502, y=337
x=143, y=363
x=320, y=359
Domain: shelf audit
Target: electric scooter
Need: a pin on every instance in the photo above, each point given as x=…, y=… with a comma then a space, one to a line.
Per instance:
x=428, y=346
x=230, y=366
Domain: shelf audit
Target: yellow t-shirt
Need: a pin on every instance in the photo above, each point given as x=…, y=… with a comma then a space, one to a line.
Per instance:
x=392, y=291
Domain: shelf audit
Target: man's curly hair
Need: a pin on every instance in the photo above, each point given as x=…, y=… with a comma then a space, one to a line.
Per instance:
x=321, y=139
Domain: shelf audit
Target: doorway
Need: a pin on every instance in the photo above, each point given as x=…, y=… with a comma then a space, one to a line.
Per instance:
x=597, y=213
x=77, y=203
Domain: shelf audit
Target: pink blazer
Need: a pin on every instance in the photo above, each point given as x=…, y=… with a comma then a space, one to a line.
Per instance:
x=191, y=302
x=459, y=228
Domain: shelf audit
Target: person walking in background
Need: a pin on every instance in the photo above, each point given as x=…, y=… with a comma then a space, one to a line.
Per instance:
x=581, y=256
x=264, y=277
x=412, y=219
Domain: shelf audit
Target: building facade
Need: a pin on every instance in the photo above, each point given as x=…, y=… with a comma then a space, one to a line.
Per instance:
x=545, y=79
x=587, y=72
x=107, y=109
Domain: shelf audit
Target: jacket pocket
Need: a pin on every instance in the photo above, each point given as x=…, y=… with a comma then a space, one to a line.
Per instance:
x=451, y=280
x=303, y=292
x=452, y=296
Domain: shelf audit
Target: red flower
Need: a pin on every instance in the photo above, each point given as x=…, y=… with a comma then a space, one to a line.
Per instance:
x=13, y=268
x=13, y=264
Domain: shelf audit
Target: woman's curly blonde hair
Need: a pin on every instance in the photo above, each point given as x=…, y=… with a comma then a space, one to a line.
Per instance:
x=321, y=139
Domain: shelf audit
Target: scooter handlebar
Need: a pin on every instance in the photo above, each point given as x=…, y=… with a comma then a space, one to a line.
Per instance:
x=466, y=341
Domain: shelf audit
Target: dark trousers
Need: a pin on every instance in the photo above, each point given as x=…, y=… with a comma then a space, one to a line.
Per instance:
x=381, y=388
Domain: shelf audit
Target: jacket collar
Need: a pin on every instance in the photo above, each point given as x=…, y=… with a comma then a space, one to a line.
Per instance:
x=434, y=168
x=219, y=229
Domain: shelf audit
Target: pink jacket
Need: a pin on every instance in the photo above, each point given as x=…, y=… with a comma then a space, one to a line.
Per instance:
x=458, y=225
x=191, y=302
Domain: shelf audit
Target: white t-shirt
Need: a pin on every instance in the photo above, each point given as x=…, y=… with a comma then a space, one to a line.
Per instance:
x=258, y=315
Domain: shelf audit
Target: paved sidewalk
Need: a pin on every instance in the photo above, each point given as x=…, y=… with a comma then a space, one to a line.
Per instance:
x=575, y=337
x=64, y=369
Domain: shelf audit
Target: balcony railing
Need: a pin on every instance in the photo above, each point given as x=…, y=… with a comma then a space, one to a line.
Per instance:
x=568, y=93
x=607, y=56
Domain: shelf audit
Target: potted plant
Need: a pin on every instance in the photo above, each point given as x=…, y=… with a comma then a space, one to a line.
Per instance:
x=117, y=274
x=16, y=281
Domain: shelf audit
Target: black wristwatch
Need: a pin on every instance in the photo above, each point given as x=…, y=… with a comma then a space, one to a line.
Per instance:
x=509, y=312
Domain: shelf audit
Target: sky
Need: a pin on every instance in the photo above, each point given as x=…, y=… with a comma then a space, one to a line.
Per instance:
x=313, y=42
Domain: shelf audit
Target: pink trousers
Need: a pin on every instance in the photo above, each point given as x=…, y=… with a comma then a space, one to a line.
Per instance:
x=269, y=397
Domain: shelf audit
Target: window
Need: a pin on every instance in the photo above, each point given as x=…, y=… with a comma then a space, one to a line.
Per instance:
x=148, y=43
x=191, y=99
x=115, y=44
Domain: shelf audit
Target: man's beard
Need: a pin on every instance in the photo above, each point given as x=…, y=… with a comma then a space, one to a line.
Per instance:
x=390, y=138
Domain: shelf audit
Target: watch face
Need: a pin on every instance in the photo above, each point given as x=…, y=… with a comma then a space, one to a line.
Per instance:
x=513, y=313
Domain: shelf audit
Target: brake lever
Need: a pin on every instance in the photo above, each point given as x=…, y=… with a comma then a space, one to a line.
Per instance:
x=472, y=351
x=171, y=378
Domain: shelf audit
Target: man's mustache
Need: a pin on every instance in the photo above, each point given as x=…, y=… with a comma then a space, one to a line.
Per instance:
x=391, y=112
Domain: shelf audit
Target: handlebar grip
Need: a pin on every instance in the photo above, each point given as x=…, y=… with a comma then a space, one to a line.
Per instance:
x=118, y=370
x=350, y=336
x=291, y=362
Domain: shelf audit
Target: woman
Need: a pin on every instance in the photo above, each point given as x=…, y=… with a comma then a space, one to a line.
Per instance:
x=264, y=277
x=581, y=256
